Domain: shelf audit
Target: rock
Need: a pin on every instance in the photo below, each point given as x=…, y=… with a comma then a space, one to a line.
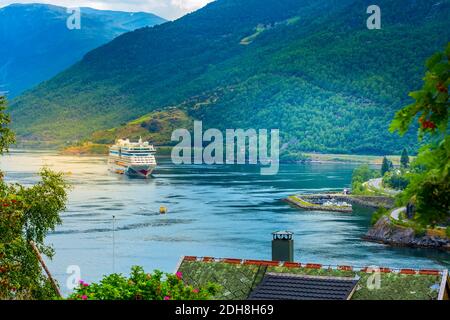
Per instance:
x=386, y=232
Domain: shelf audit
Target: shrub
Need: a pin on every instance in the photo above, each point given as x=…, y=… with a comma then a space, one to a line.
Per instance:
x=293, y=157
x=378, y=214
x=143, y=286
x=360, y=175
x=419, y=231
x=396, y=180
x=152, y=125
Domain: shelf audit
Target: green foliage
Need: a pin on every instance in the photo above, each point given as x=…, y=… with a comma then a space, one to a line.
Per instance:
x=361, y=175
x=386, y=166
x=143, y=286
x=156, y=127
x=28, y=214
x=447, y=231
x=380, y=212
x=236, y=281
x=6, y=135
x=293, y=157
x=86, y=148
x=404, y=159
x=431, y=102
x=239, y=279
x=429, y=187
x=329, y=84
x=396, y=179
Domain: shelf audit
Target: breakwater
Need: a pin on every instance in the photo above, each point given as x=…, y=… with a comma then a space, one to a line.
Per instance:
x=310, y=201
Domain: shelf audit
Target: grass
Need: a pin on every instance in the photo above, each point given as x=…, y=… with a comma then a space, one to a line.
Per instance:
x=419, y=230
x=251, y=38
x=398, y=287
x=300, y=201
x=352, y=158
x=238, y=280
x=87, y=148
x=393, y=286
x=292, y=21
x=306, y=204
x=156, y=127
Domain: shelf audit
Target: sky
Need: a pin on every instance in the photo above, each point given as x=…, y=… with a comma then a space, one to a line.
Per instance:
x=169, y=9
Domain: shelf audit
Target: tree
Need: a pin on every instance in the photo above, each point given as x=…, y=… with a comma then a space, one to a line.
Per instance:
x=429, y=187
x=404, y=159
x=6, y=135
x=27, y=214
x=361, y=175
x=386, y=166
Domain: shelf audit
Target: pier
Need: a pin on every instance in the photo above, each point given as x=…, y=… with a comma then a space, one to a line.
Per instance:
x=337, y=201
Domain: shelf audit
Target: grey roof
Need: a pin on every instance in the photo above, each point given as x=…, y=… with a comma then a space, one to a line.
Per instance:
x=277, y=286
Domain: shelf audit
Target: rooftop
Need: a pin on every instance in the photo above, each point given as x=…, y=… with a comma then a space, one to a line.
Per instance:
x=243, y=279
x=285, y=286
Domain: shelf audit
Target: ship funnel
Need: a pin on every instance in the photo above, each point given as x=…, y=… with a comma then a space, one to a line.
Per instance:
x=283, y=246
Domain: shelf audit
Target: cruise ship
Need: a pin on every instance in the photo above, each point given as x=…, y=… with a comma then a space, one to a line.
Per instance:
x=134, y=159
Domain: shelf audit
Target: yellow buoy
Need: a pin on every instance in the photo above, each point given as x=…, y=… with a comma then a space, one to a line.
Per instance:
x=162, y=210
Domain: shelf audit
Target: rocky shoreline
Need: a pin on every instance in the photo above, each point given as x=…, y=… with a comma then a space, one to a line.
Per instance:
x=384, y=231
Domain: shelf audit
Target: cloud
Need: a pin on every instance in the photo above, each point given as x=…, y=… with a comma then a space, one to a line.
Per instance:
x=169, y=9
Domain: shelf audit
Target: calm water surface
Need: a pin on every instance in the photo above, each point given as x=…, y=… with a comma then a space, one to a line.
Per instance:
x=220, y=211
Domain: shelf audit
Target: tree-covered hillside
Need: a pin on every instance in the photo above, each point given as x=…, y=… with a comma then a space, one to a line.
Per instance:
x=308, y=67
x=35, y=43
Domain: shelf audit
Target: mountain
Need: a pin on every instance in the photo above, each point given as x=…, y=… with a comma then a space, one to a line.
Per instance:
x=36, y=43
x=308, y=67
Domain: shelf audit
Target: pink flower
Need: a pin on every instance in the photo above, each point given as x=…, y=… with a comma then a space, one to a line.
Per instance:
x=85, y=284
x=84, y=297
x=179, y=275
x=195, y=291
x=81, y=282
x=166, y=298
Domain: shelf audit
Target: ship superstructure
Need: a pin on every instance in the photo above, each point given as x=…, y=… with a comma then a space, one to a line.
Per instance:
x=135, y=159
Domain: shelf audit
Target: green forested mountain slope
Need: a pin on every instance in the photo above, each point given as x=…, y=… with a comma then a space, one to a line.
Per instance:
x=35, y=43
x=308, y=67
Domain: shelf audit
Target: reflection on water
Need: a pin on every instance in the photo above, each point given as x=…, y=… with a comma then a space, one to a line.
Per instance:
x=221, y=211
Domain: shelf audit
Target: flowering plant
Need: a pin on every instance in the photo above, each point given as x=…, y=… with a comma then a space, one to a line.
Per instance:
x=143, y=286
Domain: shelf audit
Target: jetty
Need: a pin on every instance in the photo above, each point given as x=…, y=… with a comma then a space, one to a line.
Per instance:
x=338, y=202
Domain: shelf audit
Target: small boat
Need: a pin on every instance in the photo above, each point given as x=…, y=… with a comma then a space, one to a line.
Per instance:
x=134, y=159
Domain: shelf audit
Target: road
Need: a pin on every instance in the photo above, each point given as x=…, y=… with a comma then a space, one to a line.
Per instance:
x=395, y=213
x=377, y=184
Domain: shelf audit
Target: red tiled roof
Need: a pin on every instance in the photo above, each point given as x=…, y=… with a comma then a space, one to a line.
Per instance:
x=313, y=265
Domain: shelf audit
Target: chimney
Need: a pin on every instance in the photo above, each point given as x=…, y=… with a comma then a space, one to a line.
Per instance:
x=283, y=246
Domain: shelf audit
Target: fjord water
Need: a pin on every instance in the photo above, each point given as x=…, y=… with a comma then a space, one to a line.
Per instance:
x=220, y=211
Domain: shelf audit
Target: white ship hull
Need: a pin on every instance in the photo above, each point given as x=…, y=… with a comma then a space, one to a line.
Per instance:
x=132, y=159
x=138, y=171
